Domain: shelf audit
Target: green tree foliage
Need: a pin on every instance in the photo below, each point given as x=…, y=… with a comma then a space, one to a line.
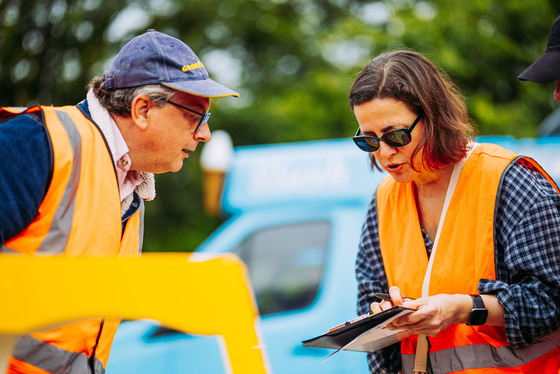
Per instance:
x=293, y=62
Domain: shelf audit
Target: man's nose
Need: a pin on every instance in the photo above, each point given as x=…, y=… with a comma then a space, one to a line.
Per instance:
x=203, y=134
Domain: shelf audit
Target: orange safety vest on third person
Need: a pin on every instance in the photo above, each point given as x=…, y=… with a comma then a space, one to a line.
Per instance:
x=465, y=254
x=80, y=215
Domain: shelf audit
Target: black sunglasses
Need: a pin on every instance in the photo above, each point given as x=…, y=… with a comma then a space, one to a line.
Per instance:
x=394, y=138
x=204, y=116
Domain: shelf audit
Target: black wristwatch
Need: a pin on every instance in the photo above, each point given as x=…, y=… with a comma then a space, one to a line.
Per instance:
x=479, y=313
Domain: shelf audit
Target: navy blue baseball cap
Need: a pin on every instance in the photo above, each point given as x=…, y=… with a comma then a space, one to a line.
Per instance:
x=157, y=58
x=547, y=67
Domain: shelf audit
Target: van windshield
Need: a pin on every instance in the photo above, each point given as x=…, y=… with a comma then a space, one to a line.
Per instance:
x=286, y=264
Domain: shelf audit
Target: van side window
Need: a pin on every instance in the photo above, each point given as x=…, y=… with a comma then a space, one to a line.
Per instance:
x=286, y=264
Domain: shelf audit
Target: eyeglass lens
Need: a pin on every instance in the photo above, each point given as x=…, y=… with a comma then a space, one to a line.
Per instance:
x=203, y=120
x=204, y=116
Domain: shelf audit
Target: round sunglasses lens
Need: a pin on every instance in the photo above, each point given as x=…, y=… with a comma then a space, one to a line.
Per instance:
x=369, y=144
x=397, y=138
x=372, y=142
x=363, y=145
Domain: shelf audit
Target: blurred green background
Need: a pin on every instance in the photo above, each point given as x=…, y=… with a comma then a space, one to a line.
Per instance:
x=293, y=61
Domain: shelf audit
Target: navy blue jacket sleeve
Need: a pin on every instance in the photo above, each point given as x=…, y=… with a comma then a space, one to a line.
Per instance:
x=25, y=172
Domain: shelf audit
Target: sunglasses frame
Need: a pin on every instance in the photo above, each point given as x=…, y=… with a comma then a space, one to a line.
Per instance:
x=364, y=142
x=204, y=116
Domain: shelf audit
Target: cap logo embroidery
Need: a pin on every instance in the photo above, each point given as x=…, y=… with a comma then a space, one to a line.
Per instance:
x=196, y=65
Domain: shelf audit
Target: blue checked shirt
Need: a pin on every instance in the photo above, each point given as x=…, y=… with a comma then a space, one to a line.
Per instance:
x=527, y=285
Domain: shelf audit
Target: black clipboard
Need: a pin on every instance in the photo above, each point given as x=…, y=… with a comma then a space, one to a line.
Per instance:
x=366, y=333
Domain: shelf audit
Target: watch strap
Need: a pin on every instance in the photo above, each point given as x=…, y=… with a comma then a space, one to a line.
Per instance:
x=479, y=313
x=478, y=302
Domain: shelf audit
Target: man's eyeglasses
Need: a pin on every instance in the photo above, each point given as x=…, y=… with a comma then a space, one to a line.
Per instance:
x=203, y=119
x=394, y=138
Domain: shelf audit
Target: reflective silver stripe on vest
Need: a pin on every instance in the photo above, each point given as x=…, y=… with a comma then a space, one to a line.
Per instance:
x=53, y=359
x=483, y=356
x=57, y=238
x=8, y=251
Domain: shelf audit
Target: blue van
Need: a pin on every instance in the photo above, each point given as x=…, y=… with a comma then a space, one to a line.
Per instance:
x=295, y=215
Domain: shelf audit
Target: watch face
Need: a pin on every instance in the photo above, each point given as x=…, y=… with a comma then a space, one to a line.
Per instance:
x=478, y=316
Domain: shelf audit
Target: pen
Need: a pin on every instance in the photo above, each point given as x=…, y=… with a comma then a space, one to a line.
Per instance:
x=385, y=296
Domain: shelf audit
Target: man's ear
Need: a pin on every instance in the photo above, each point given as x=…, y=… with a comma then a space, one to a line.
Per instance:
x=139, y=108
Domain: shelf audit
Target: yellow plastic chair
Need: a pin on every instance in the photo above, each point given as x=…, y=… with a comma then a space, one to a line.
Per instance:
x=192, y=293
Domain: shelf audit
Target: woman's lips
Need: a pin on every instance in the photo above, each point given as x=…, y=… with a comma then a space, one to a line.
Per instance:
x=394, y=168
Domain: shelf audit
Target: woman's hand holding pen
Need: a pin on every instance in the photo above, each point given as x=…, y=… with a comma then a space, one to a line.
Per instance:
x=393, y=298
x=434, y=314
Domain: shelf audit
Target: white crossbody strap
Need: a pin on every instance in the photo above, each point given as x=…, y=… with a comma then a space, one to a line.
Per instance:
x=421, y=357
x=450, y=190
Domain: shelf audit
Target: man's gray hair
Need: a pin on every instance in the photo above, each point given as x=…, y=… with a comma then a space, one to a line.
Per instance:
x=119, y=101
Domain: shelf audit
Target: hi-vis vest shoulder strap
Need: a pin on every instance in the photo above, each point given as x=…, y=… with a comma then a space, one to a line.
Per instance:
x=80, y=214
x=465, y=255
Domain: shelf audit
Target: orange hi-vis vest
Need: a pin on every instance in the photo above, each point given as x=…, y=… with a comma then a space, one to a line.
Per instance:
x=80, y=215
x=465, y=254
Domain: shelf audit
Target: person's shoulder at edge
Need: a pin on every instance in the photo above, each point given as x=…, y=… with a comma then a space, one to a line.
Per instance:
x=525, y=175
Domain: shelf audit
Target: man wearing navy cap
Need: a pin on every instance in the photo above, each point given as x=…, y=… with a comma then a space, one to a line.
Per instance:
x=547, y=67
x=74, y=179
